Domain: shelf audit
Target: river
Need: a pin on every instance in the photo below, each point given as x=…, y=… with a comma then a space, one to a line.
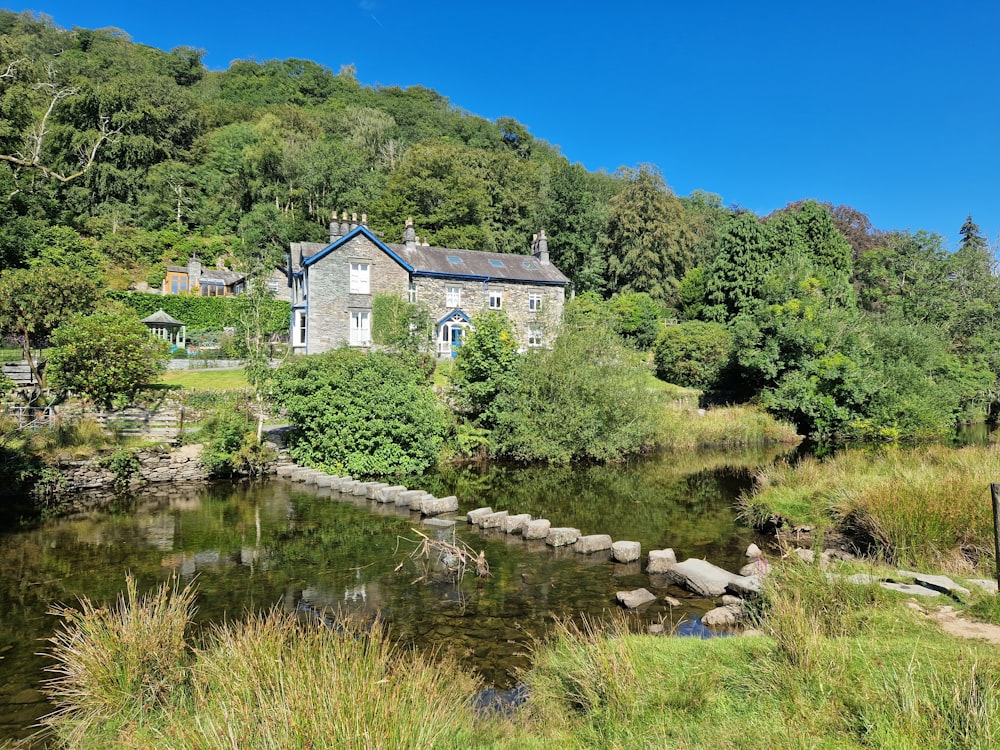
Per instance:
x=313, y=551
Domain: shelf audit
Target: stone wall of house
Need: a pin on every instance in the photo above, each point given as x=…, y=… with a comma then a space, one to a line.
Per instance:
x=432, y=293
x=330, y=300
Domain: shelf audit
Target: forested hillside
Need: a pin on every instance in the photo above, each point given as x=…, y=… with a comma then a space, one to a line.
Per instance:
x=118, y=158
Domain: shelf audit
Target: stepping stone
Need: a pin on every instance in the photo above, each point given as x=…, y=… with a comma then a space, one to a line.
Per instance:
x=626, y=552
x=942, y=583
x=562, y=536
x=388, y=494
x=300, y=475
x=493, y=520
x=286, y=470
x=323, y=480
x=660, y=560
x=373, y=489
x=406, y=498
x=635, y=598
x=514, y=524
x=473, y=516
x=910, y=588
x=591, y=543
x=537, y=529
x=435, y=506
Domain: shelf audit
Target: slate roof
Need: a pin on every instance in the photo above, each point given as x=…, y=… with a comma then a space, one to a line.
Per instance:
x=162, y=318
x=227, y=277
x=213, y=274
x=448, y=262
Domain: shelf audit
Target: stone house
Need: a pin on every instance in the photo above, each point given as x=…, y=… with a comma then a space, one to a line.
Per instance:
x=332, y=287
x=197, y=280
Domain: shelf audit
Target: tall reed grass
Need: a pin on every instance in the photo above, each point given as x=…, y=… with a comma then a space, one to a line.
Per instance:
x=127, y=677
x=919, y=506
x=686, y=427
x=116, y=663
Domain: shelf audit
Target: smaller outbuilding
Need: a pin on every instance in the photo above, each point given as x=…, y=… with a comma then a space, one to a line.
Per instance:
x=166, y=327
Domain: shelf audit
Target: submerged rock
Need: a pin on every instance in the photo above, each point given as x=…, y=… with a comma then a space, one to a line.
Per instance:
x=635, y=598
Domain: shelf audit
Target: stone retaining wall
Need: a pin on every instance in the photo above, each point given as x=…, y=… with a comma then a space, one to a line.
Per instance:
x=179, y=465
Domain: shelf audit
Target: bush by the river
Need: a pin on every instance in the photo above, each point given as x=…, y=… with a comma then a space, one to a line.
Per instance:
x=366, y=414
x=586, y=398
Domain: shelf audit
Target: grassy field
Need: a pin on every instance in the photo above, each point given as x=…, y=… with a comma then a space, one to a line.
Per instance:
x=206, y=380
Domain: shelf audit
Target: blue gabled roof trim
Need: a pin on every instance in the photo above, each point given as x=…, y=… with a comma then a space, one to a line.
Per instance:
x=452, y=314
x=350, y=236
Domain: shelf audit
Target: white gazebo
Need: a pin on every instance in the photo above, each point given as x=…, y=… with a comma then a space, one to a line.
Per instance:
x=165, y=327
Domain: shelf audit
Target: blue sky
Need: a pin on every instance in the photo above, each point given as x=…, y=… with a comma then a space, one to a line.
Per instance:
x=889, y=106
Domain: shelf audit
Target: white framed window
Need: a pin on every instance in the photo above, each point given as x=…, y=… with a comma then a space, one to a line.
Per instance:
x=496, y=300
x=453, y=296
x=360, y=278
x=299, y=335
x=361, y=328
x=534, y=302
x=534, y=335
x=411, y=294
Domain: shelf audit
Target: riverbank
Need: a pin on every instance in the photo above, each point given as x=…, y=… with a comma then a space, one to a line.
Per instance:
x=907, y=506
x=835, y=663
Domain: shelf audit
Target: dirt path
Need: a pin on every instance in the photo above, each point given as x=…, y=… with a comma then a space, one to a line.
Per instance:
x=959, y=627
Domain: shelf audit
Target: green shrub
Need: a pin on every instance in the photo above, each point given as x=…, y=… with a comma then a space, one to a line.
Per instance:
x=233, y=448
x=203, y=313
x=369, y=414
x=636, y=318
x=106, y=357
x=485, y=365
x=692, y=354
x=585, y=399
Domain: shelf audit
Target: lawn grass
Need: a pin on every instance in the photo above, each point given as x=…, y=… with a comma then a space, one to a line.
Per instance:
x=206, y=380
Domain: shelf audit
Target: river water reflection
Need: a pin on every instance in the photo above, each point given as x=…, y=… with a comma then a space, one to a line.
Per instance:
x=316, y=552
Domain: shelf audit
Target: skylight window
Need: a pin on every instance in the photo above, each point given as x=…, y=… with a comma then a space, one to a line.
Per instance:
x=454, y=259
x=497, y=264
x=530, y=265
